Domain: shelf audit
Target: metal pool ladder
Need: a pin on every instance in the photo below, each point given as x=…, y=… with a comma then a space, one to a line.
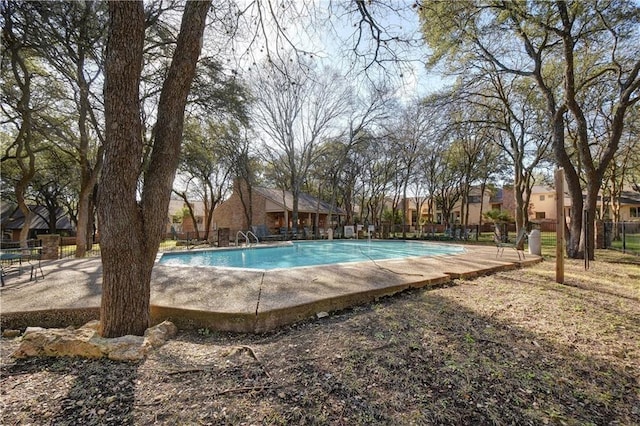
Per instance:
x=247, y=237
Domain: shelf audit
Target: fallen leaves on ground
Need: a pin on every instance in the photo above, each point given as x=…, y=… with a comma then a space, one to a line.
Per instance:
x=510, y=348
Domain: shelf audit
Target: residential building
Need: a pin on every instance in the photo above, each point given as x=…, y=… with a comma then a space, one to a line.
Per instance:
x=180, y=222
x=630, y=206
x=542, y=206
x=13, y=220
x=273, y=208
x=477, y=204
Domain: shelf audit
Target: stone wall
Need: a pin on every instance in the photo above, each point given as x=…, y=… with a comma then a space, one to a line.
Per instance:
x=50, y=246
x=223, y=237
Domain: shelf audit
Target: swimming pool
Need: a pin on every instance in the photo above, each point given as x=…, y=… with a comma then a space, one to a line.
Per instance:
x=310, y=253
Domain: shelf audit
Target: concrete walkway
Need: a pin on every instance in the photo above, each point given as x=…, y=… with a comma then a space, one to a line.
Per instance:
x=237, y=300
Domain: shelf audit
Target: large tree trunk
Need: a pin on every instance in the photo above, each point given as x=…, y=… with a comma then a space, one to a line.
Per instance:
x=295, y=192
x=29, y=215
x=132, y=231
x=575, y=249
x=521, y=209
x=126, y=274
x=209, y=205
x=87, y=177
x=81, y=227
x=245, y=191
x=159, y=177
x=86, y=203
x=84, y=232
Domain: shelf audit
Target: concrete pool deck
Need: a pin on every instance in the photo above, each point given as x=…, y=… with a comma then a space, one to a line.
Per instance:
x=238, y=300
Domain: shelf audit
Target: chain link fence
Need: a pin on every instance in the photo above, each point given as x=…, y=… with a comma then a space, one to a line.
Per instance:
x=623, y=236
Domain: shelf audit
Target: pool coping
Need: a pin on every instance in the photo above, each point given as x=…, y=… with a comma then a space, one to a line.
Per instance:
x=252, y=301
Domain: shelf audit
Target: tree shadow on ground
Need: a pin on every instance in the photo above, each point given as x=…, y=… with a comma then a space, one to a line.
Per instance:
x=420, y=357
x=423, y=358
x=455, y=366
x=79, y=391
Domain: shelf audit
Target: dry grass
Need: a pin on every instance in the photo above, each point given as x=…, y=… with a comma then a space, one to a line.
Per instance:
x=511, y=348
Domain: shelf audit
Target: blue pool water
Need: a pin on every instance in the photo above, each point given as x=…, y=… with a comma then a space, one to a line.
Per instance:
x=308, y=254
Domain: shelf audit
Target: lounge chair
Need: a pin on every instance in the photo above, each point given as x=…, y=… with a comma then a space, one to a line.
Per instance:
x=307, y=234
x=337, y=233
x=295, y=234
x=262, y=233
x=447, y=234
x=502, y=243
x=287, y=234
x=471, y=234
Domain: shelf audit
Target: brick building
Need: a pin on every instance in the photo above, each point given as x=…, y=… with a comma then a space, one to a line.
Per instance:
x=273, y=208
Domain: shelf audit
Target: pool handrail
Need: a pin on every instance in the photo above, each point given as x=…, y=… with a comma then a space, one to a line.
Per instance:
x=246, y=237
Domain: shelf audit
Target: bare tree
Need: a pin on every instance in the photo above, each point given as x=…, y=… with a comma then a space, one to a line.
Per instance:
x=409, y=141
x=207, y=166
x=296, y=110
x=376, y=37
x=448, y=180
x=507, y=113
x=338, y=166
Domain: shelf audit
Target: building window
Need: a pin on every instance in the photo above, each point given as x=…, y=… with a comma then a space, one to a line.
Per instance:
x=634, y=211
x=542, y=198
x=540, y=215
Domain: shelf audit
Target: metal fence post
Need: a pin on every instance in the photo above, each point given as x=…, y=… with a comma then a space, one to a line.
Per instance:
x=585, y=224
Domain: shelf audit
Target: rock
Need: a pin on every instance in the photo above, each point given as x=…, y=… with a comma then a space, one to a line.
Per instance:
x=157, y=335
x=322, y=315
x=85, y=342
x=124, y=348
x=8, y=334
x=92, y=325
x=38, y=341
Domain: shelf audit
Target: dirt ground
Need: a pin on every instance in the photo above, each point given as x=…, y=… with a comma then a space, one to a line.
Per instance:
x=511, y=348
